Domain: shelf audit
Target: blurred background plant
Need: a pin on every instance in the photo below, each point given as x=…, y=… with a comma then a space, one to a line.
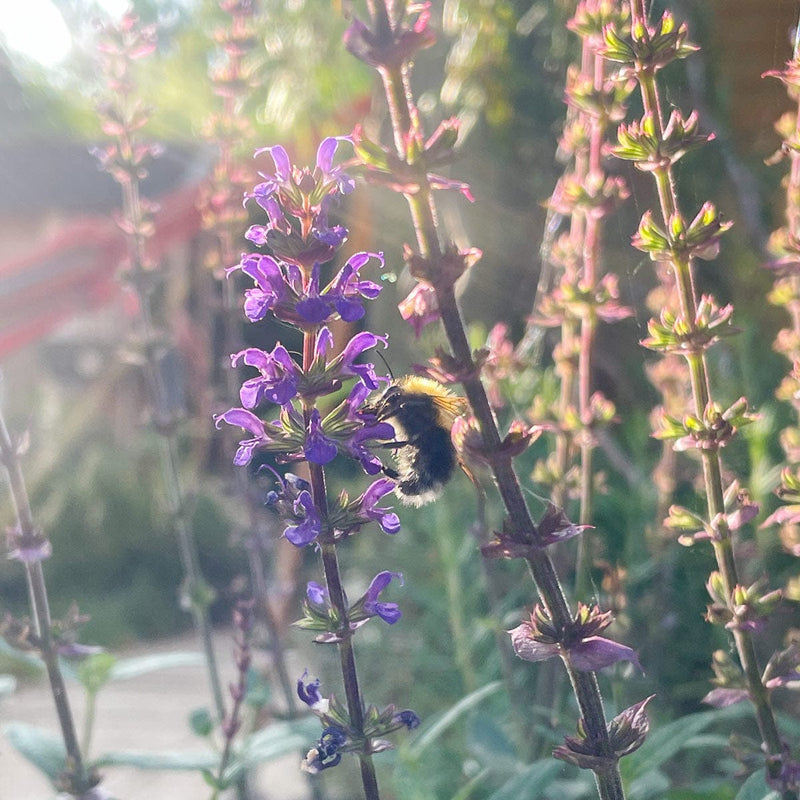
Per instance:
x=92, y=463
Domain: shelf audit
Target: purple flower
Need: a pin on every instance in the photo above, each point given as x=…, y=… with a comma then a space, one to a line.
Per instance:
x=280, y=179
x=280, y=288
x=408, y=718
x=318, y=448
x=788, y=780
x=309, y=525
x=388, y=612
x=539, y=639
x=722, y=697
x=271, y=286
x=317, y=593
x=279, y=376
x=420, y=308
x=366, y=430
x=313, y=308
x=385, y=517
x=28, y=548
x=408, y=37
x=310, y=694
x=243, y=418
x=333, y=175
x=76, y=650
x=298, y=189
x=327, y=752
x=346, y=292
x=355, y=347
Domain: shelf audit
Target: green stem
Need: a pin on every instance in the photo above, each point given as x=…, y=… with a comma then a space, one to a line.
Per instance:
x=79, y=779
x=164, y=424
x=88, y=723
x=712, y=470
x=338, y=599
x=423, y=215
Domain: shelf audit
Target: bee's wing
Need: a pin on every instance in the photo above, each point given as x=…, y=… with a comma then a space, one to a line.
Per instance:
x=451, y=405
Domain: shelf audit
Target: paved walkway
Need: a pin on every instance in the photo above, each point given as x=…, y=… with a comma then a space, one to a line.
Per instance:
x=149, y=713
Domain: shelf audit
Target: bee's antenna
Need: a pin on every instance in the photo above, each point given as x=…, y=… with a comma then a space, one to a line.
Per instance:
x=385, y=364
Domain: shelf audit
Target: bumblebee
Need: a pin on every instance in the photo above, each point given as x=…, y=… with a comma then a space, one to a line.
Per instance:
x=422, y=412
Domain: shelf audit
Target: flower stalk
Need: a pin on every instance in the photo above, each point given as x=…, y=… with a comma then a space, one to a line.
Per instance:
x=29, y=545
x=234, y=78
x=122, y=115
x=654, y=145
x=288, y=285
x=584, y=298
x=396, y=34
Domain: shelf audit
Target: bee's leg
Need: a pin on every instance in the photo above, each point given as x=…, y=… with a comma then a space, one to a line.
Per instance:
x=390, y=473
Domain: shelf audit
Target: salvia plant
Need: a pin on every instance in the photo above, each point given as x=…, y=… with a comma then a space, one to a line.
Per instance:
x=305, y=413
x=127, y=156
x=689, y=328
x=42, y=635
x=410, y=166
x=583, y=297
x=235, y=77
x=315, y=424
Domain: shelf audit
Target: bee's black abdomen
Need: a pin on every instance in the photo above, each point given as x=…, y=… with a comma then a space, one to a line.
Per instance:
x=425, y=469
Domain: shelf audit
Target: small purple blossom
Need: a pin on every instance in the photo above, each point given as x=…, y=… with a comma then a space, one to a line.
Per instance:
x=309, y=526
x=385, y=517
x=327, y=752
x=271, y=288
x=28, y=548
x=539, y=639
x=722, y=697
x=309, y=693
x=788, y=780
x=242, y=418
x=388, y=612
x=330, y=174
x=408, y=718
x=279, y=376
x=299, y=189
x=347, y=292
x=318, y=448
x=411, y=35
x=316, y=593
x=312, y=308
x=363, y=428
x=280, y=288
x=420, y=308
x=278, y=179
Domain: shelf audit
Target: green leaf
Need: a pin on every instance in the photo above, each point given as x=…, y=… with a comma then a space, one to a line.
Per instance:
x=489, y=743
x=530, y=784
x=663, y=743
x=652, y=784
x=414, y=749
x=8, y=685
x=42, y=748
x=175, y=760
x=201, y=722
x=20, y=662
x=259, y=690
x=277, y=740
x=724, y=791
x=755, y=788
x=128, y=668
x=467, y=791
x=94, y=672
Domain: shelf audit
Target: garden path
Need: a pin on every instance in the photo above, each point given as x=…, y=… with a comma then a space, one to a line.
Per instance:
x=148, y=712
